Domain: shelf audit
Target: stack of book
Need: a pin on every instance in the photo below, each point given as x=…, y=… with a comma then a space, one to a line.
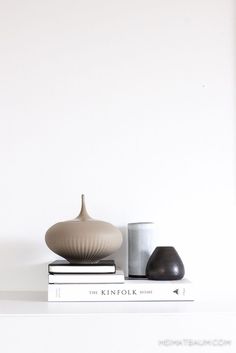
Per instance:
x=103, y=282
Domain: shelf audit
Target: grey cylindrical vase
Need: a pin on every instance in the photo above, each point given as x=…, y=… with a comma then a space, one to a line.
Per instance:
x=141, y=243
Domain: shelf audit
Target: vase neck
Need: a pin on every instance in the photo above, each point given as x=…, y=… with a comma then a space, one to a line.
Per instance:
x=83, y=216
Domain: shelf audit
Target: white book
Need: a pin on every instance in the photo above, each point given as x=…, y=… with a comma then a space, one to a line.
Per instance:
x=117, y=277
x=130, y=290
x=63, y=266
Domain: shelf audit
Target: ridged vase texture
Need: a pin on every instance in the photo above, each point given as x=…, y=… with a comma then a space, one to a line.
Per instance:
x=83, y=239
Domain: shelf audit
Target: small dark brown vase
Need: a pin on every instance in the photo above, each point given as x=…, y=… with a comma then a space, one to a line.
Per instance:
x=165, y=264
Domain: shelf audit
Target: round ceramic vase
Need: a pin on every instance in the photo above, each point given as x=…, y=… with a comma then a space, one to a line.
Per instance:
x=165, y=264
x=83, y=239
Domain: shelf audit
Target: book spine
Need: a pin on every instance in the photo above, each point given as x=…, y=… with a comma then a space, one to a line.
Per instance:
x=81, y=270
x=120, y=292
x=85, y=278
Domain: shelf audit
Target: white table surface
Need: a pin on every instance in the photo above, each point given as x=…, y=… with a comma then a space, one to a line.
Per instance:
x=28, y=323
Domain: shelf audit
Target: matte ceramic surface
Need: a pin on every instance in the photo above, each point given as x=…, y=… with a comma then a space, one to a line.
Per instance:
x=83, y=239
x=165, y=264
x=141, y=243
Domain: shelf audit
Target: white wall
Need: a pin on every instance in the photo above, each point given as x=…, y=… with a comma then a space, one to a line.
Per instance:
x=130, y=102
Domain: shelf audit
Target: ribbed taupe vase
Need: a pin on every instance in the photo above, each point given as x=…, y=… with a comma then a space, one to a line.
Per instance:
x=83, y=239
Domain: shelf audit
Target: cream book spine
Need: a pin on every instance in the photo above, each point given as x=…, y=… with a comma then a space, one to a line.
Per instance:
x=117, y=277
x=130, y=290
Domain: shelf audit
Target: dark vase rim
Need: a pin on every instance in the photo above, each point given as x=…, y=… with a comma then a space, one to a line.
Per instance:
x=166, y=247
